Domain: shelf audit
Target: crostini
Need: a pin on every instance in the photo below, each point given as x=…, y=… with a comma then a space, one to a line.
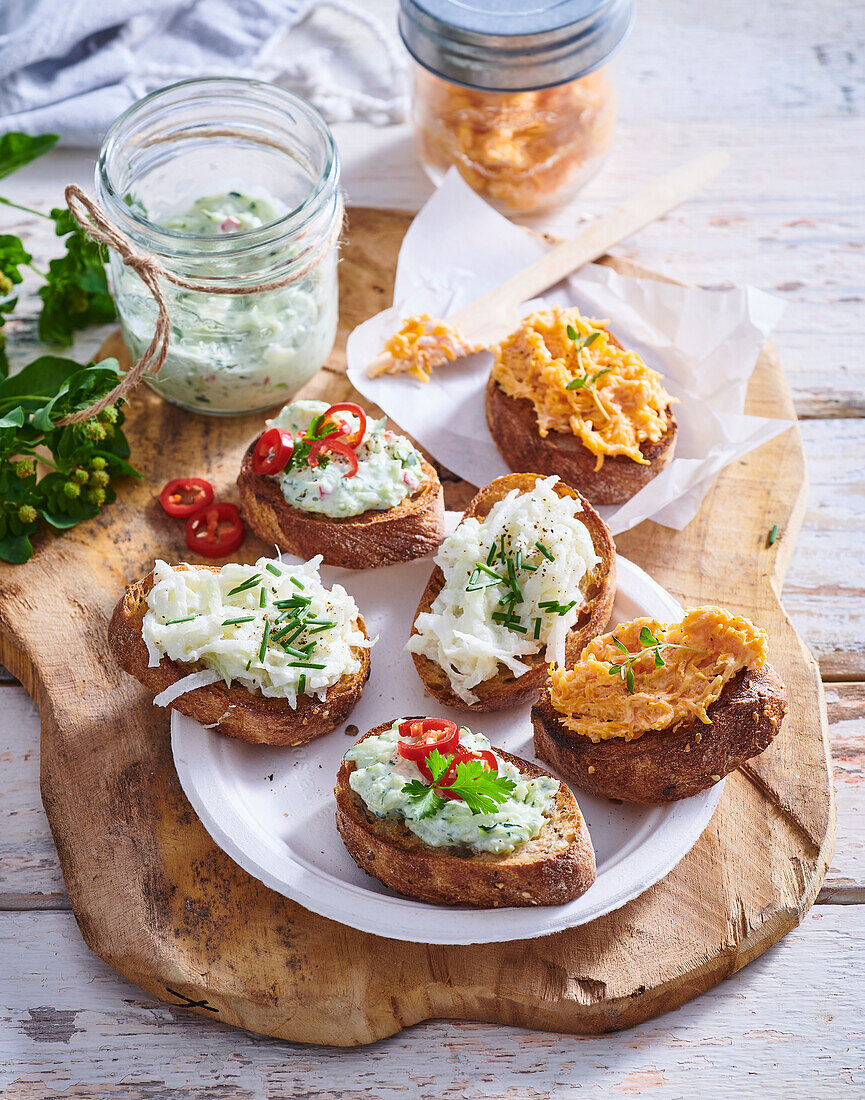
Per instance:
x=652, y=713
x=264, y=653
x=528, y=577
x=565, y=398
x=323, y=479
x=436, y=813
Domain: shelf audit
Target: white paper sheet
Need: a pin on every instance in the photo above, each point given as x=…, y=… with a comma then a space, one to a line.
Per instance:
x=704, y=342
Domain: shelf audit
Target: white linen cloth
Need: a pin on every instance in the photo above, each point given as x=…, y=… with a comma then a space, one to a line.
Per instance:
x=704, y=342
x=72, y=66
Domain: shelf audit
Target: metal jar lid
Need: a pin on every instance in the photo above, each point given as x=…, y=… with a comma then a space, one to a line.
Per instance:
x=513, y=45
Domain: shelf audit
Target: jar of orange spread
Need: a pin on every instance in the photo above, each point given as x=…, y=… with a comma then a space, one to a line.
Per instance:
x=518, y=94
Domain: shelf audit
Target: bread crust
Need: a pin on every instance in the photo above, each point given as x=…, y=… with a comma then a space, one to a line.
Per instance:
x=599, y=588
x=666, y=765
x=548, y=870
x=413, y=529
x=514, y=428
x=234, y=711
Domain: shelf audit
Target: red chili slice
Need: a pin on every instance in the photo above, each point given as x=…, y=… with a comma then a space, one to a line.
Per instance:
x=272, y=451
x=184, y=496
x=431, y=733
x=461, y=758
x=349, y=406
x=336, y=447
x=215, y=531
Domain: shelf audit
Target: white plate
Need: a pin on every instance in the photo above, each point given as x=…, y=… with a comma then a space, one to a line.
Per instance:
x=272, y=809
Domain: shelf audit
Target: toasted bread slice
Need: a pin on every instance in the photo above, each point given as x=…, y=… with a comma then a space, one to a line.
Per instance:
x=514, y=428
x=411, y=530
x=598, y=589
x=235, y=711
x=666, y=765
x=557, y=866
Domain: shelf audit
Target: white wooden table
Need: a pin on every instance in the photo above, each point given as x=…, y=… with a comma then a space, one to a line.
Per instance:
x=781, y=87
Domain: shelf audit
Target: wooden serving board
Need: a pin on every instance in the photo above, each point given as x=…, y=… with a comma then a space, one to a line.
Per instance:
x=156, y=898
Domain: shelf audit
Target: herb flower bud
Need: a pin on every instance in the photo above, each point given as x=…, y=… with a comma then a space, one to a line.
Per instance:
x=27, y=513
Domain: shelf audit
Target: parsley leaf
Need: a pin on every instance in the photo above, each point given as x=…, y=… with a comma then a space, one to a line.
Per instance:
x=478, y=786
x=18, y=149
x=425, y=800
x=76, y=293
x=481, y=789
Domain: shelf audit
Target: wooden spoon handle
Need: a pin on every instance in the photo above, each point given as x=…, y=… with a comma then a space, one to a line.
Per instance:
x=491, y=316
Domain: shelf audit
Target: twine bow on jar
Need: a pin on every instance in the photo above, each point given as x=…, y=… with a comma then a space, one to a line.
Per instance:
x=96, y=224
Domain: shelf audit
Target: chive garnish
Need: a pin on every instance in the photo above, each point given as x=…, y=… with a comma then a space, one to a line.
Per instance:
x=491, y=556
x=305, y=664
x=537, y=628
x=296, y=634
x=516, y=626
x=322, y=626
x=773, y=535
x=565, y=608
x=301, y=683
x=292, y=652
x=187, y=619
x=271, y=568
x=530, y=568
x=248, y=664
x=250, y=583
x=519, y=561
x=264, y=640
x=545, y=551
x=241, y=619
x=280, y=634
x=296, y=582
x=262, y=599
x=293, y=601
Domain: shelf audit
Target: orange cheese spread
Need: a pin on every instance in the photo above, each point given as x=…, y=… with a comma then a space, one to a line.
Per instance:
x=620, y=402
x=422, y=344
x=597, y=704
x=523, y=151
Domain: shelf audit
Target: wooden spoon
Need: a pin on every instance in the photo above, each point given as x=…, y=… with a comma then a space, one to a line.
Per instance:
x=491, y=317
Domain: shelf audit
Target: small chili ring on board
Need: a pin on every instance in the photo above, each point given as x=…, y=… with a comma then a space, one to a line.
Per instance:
x=272, y=452
x=215, y=531
x=183, y=496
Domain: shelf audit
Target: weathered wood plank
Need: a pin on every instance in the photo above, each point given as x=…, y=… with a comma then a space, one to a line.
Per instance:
x=30, y=874
x=824, y=591
x=792, y=1021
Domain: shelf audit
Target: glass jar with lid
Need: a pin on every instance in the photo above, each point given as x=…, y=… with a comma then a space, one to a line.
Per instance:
x=518, y=94
x=228, y=183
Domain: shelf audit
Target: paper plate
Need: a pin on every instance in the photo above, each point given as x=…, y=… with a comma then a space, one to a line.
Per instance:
x=272, y=809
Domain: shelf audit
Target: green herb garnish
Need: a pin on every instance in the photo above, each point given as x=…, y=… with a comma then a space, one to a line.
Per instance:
x=305, y=664
x=773, y=535
x=481, y=788
x=241, y=619
x=262, y=599
x=545, y=551
x=650, y=644
x=301, y=683
x=296, y=582
x=186, y=619
x=271, y=568
x=264, y=641
x=250, y=582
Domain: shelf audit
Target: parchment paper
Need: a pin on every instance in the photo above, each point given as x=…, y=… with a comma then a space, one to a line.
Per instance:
x=704, y=342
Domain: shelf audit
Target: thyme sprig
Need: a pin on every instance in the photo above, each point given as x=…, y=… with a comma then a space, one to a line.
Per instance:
x=650, y=644
x=584, y=381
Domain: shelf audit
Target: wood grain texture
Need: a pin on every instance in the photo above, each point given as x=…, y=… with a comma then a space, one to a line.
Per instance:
x=160, y=903
x=70, y=1027
x=30, y=875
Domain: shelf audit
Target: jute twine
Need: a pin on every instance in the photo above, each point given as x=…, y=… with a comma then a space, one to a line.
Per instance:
x=96, y=224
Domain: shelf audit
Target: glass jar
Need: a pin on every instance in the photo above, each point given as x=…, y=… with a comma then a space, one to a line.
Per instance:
x=519, y=95
x=227, y=182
